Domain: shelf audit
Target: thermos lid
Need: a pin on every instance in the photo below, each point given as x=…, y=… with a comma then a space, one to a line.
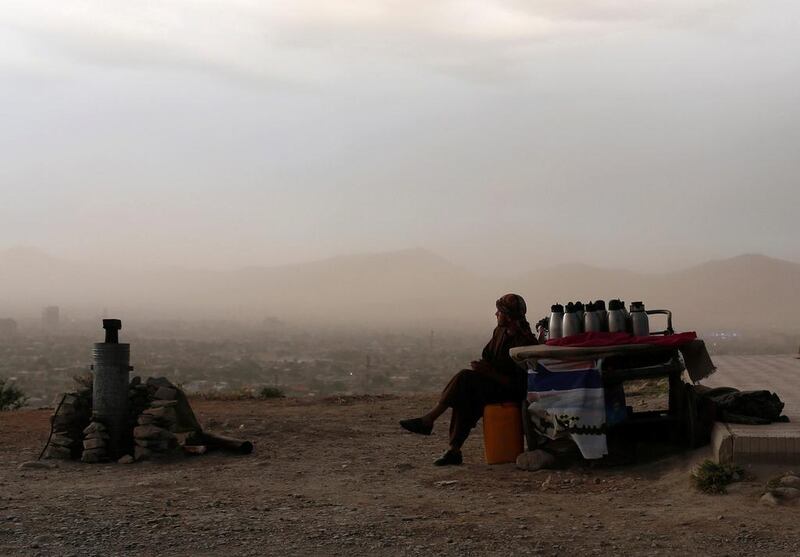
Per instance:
x=591, y=307
x=570, y=308
x=557, y=308
x=615, y=305
x=600, y=305
x=578, y=306
x=637, y=306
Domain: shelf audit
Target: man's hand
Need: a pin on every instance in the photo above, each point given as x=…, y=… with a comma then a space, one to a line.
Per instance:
x=487, y=369
x=481, y=366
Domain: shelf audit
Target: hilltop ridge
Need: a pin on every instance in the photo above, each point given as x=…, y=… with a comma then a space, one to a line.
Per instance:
x=404, y=287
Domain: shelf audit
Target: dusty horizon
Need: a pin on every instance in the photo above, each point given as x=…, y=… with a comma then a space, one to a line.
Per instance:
x=411, y=288
x=30, y=253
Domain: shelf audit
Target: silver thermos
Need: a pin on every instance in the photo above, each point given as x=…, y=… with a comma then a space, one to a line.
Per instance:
x=591, y=321
x=639, y=321
x=572, y=325
x=602, y=314
x=556, y=324
x=580, y=311
x=617, y=320
x=628, y=326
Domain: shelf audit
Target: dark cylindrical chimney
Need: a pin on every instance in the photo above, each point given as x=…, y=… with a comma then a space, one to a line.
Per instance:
x=111, y=377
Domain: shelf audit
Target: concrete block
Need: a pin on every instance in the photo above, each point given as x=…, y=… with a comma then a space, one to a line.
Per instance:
x=777, y=443
x=141, y=453
x=94, y=427
x=145, y=419
x=58, y=453
x=162, y=413
x=163, y=403
x=92, y=456
x=94, y=443
x=61, y=440
x=153, y=444
x=152, y=432
x=166, y=393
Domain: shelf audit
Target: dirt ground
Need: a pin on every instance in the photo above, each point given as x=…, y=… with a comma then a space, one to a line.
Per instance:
x=338, y=476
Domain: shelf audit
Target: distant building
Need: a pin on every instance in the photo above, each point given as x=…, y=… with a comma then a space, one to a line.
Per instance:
x=8, y=328
x=50, y=318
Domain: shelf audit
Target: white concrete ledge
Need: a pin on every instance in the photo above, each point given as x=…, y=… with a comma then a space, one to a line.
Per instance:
x=757, y=444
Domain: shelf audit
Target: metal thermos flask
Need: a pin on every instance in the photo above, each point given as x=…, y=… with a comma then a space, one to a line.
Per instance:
x=580, y=311
x=591, y=321
x=639, y=321
x=572, y=326
x=617, y=320
x=628, y=326
x=602, y=314
x=556, y=323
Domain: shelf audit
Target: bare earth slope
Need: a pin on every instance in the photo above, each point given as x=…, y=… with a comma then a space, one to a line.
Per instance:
x=337, y=476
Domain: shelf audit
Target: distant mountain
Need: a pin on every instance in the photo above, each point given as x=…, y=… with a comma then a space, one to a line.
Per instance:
x=409, y=287
x=745, y=291
x=31, y=279
x=26, y=256
x=748, y=291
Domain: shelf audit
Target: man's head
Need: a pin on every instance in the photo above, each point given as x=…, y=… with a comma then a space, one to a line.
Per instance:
x=511, y=308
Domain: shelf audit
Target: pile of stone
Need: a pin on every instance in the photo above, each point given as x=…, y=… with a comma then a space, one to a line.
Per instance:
x=71, y=417
x=165, y=423
x=785, y=491
x=154, y=433
x=138, y=400
x=161, y=423
x=95, y=443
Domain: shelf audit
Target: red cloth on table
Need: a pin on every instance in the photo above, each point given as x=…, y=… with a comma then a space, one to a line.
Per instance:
x=593, y=340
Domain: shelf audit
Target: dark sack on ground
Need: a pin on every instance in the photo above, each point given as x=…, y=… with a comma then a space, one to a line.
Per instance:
x=747, y=407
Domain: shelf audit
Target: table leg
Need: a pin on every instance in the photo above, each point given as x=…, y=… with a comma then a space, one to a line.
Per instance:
x=530, y=436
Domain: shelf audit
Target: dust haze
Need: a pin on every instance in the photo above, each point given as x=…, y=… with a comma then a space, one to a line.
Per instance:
x=375, y=165
x=404, y=290
x=303, y=213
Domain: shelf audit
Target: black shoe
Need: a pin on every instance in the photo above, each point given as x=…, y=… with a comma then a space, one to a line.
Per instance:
x=449, y=458
x=417, y=425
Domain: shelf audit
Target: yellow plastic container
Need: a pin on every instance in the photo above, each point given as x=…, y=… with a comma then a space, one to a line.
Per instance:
x=502, y=432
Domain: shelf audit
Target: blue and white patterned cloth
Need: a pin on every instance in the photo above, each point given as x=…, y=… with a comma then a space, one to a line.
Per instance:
x=566, y=399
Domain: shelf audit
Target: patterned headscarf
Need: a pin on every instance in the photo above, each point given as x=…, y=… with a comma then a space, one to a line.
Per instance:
x=512, y=305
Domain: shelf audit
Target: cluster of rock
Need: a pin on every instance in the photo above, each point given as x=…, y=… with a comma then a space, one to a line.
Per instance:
x=787, y=491
x=95, y=443
x=160, y=422
x=138, y=399
x=156, y=426
x=71, y=417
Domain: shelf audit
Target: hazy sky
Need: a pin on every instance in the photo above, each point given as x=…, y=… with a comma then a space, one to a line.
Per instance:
x=225, y=133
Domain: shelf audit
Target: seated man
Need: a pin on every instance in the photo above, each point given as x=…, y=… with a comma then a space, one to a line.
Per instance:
x=493, y=379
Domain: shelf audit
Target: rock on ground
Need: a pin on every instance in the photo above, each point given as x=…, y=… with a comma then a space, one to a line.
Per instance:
x=790, y=481
x=535, y=460
x=38, y=464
